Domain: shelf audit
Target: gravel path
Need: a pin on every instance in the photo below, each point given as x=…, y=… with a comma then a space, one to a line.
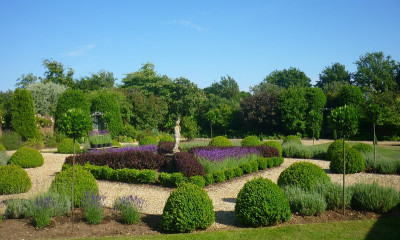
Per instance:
x=223, y=195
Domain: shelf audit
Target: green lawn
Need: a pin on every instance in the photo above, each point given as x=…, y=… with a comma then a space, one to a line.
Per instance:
x=386, y=228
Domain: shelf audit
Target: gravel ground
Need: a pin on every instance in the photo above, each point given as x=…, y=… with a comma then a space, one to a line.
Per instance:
x=223, y=195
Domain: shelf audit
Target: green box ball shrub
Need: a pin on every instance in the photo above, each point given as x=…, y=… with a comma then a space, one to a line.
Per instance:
x=274, y=144
x=220, y=141
x=354, y=161
x=229, y=173
x=13, y=179
x=292, y=139
x=238, y=172
x=334, y=147
x=219, y=176
x=250, y=141
x=261, y=203
x=303, y=174
x=209, y=179
x=149, y=140
x=188, y=208
x=66, y=146
x=363, y=148
x=198, y=181
x=84, y=182
x=166, y=138
x=27, y=158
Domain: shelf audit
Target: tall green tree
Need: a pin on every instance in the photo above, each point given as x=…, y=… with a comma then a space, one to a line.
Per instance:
x=351, y=95
x=23, y=114
x=96, y=81
x=5, y=108
x=56, y=73
x=25, y=80
x=227, y=88
x=376, y=72
x=335, y=73
x=291, y=77
x=293, y=105
x=45, y=96
x=316, y=101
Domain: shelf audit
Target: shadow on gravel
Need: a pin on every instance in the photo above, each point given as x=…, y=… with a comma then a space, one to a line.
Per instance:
x=226, y=218
x=230, y=200
x=152, y=221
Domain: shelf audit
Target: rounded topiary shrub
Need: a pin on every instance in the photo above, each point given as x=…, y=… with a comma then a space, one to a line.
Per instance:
x=166, y=138
x=27, y=158
x=67, y=146
x=261, y=203
x=149, y=140
x=220, y=141
x=363, y=147
x=13, y=179
x=335, y=146
x=274, y=144
x=84, y=182
x=250, y=141
x=304, y=175
x=354, y=161
x=11, y=140
x=292, y=139
x=188, y=208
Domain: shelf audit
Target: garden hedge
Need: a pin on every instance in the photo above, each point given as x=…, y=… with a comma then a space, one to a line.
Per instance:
x=27, y=158
x=261, y=203
x=188, y=208
x=187, y=164
x=274, y=144
x=14, y=179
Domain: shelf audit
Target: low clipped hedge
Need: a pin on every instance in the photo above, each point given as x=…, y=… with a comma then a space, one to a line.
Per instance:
x=149, y=140
x=261, y=203
x=334, y=147
x=188, y=208
x=27, y=158
x=274, y=144
x=14, y=179
x=363, y=148
x=165, y=147
x=171, y=179
x=84, y=182
x=220, y=141
x=354, y=161
x=122, y=175
x=188, y=165
x=264, y=151
x=304, y=175
x=292, y=139
x=123, y=159
x=166, y=138
x=66, y=146
x=250, y=141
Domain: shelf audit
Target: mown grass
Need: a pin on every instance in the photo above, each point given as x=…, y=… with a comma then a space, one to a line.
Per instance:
x=386, y=228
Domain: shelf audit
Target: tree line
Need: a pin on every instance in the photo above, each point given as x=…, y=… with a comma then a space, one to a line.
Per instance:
x=283, y=103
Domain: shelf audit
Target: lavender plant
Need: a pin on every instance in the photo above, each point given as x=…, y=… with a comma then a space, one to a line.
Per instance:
x=225, y=163
x=92, y=207
x=42, y=211
x=130, y=208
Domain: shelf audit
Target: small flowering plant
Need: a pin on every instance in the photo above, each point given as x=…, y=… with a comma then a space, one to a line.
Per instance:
x=99, y=138
x=93, y=207
x=130, y=208
x=41, y=212
x=43, y=121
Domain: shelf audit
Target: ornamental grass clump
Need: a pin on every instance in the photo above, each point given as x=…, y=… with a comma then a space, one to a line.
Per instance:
x=333, y=194
x=303, y=174
x=41, y=212
x=381, y=164
x=303, y=202
x=130, y=208
x=92, y=207
x=27, y=158
x=261, y=202
x=188, y=208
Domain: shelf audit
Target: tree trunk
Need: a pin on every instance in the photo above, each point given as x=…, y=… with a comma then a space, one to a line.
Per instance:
x=313, y=127
x=344, y=179
x=72, y=188
x=211, y=128
x=374, y=145
x=177, y=135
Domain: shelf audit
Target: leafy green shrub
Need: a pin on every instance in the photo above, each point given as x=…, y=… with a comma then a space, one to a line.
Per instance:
x=363, y=147
x=261, y=203
x=190, y=129
x=292, y=139
x=27, y=158
x=304, y=202
x=246, y=168
x=372, y=197
x=229, y=173
x=262, y=163
x=13, y=179
x=274, y=144
x=41, y=213
x=3, y=158
x=209, y=179
x=92, y=209
x=2, y=148
x=238, y=171
x=23, y=114
x=334, y=147
x=115, y=143
x=188, y=208
x=270, y=162
x=149, y=140
x=219, y=176
x=67, y=146
x=250, y=141
x=84, y=182
x=198, y=181
x=220, y=141
x=303, y=174
x=254, y=165
x=11, y=140
x=171, y=180
x=354, y=161
x=277, y=161
x=333, y=194
x=166, y=138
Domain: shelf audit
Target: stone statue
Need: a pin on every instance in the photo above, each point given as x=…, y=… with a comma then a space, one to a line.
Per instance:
x=177, y=135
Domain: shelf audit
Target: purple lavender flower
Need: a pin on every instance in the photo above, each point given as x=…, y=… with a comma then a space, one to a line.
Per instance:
x=219, y=154
x=137, y=202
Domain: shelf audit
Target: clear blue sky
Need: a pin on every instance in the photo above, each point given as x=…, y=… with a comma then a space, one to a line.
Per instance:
x=199, y=40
